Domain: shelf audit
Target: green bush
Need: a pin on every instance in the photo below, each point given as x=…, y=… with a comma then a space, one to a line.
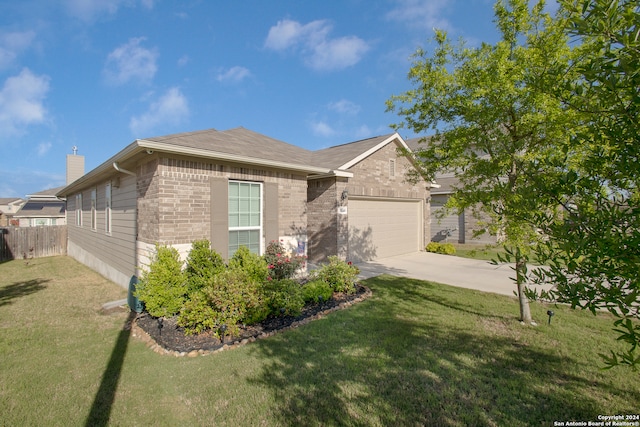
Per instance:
x=162, y=288
x=230, y=298
x=254, y=265
x=202, y=264
x=282, y=266
x=340, y=275
x=441, y=248
x=197, y=314
x=312, y=291
x=284, y=297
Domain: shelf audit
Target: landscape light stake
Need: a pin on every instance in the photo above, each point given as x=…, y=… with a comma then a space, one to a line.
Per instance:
x=160, y=325
x=550, y=313
x=223, y=329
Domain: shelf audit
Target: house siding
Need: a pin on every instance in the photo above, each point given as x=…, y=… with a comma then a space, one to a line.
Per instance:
x=112, y=254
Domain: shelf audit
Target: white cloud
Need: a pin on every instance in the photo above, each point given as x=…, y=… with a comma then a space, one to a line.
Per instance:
x=423, y=14
x=233, y=75
x=22, y=102
x=12, y=44
x=312, y=41
x=322, y=129
x=89, y=10
x=171, y=108
x=344, y=107
x=131, y=62
x=43, y=148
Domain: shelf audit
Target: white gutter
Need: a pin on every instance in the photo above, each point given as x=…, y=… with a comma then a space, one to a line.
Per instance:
x=117, y=167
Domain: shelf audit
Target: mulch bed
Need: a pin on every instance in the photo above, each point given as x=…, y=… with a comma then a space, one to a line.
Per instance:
x=171, y=338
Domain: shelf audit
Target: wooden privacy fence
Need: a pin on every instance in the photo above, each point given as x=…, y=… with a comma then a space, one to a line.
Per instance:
x=32, y=242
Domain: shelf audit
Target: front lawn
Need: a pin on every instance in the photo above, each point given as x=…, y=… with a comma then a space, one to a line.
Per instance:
x=414, y=353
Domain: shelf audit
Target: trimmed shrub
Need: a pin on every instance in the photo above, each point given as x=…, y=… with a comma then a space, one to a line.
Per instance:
x=254, y=265
x=231, y=297
x=282, y=265
x=312, y=291
x=162, y=288
x=340, y=275
x=202, y=264
x=284, y=297
x=441, y=248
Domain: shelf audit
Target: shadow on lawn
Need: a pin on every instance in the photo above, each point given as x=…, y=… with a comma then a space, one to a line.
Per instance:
x=19, y=289
x=379, y=363
x=103, y=401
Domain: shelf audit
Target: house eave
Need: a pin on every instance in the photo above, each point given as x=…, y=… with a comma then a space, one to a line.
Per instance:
x=332, y=174
x=235, y=158
x=141, y=146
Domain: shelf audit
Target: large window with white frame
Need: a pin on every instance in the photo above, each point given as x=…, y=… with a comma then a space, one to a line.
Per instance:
x=107, y=208
x=79, y=210
x=245, y=216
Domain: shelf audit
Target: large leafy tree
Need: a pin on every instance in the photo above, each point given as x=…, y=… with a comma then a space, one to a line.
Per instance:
x=593, y=249
x=493, y=128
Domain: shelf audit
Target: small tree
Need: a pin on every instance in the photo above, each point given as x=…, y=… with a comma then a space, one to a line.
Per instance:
x=492, y=128
x=593, y=248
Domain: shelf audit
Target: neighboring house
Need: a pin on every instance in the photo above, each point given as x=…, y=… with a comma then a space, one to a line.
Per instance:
x=8, y=207
x=43, y=208
x=450, y=226
x=238, y=187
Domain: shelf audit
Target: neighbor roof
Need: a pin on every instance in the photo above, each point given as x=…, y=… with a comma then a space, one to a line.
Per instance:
x=41, y=209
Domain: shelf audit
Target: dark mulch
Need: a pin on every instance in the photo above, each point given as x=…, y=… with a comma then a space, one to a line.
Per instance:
x=173, y=337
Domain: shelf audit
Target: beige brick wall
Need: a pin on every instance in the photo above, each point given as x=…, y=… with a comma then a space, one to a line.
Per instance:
x=322, y=201
x=175, y=198
x=371, y=177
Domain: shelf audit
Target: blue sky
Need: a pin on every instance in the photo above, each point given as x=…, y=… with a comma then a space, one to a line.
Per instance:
x=98, y=74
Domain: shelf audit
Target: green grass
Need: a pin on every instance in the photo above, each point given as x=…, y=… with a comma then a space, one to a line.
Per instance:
x=480, y=252
x=414, y=353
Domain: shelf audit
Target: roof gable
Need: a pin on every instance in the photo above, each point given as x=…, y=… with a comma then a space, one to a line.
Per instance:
x=346, y=155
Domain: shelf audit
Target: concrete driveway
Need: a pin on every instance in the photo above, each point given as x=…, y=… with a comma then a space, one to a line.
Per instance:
x=447, y=269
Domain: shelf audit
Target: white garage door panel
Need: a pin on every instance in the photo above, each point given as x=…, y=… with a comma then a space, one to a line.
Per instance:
x=383, y=228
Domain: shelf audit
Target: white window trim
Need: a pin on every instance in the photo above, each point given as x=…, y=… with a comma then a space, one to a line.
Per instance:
x=94, y=209
x=108, y=189
x=79, y=210
x=259, y=228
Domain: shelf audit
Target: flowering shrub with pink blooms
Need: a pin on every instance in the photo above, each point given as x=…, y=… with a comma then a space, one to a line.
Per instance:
x=281, y=264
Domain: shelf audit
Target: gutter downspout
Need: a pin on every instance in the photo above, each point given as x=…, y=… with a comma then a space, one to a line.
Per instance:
x=117, y=167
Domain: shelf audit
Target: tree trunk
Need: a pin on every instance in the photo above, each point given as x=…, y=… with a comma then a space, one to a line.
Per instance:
x=525, y=311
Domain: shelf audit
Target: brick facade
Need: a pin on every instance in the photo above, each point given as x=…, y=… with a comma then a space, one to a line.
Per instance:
x=329, y=225
x=174, y=206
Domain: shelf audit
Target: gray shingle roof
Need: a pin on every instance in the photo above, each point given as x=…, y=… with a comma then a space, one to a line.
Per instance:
x=334, y=157
x=241, y=142
x=42, y=209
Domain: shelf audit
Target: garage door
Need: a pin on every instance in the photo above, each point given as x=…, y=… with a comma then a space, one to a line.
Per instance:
x=381, y=228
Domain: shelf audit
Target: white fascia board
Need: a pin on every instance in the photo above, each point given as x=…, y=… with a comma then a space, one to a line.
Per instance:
x=197, y=152
x=332, y=174
x=373, y=150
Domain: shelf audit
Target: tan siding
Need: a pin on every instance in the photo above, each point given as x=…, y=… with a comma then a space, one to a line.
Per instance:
x=118, y=248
